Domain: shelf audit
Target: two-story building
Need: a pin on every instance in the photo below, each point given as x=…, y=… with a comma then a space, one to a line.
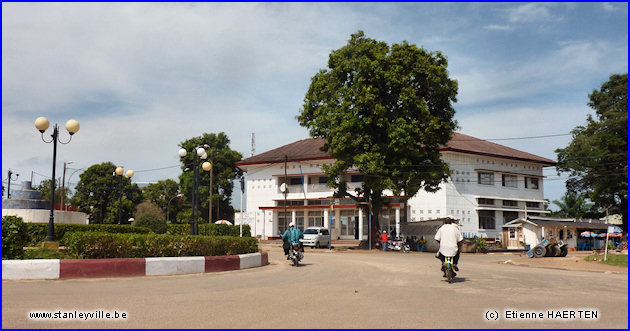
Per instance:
x=490, y=185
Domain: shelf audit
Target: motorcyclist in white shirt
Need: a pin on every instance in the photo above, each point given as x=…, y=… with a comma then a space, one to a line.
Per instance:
x=450, y=238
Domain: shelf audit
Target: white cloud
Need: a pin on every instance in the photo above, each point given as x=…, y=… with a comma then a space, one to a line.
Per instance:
x=530, y=12
x=498, y=27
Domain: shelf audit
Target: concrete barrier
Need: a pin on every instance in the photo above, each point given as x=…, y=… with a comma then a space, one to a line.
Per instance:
x=102, y=268
x=175, y=265
x=124, y=267
x=30, y=269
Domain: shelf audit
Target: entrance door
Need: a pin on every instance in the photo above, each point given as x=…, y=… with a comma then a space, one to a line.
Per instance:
x=513, y=242
x=348, y=224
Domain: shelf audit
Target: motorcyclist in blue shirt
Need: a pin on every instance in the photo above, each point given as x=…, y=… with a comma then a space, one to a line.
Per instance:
x=293, y=236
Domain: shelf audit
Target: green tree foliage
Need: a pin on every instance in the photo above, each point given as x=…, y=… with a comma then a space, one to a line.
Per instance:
x=44, y=188
x=224, y=171
x=383, y=111
x=98, y=192
x=164, y=194
x=597, y=157
x=573, y=204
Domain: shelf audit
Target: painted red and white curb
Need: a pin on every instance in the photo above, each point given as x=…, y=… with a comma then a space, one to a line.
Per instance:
x=124, y=267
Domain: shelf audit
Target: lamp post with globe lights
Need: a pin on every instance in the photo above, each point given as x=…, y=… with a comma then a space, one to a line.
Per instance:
x=200, y=154
x=119, y=172
x=9, y=180
x=42, y=124
x=168, y=206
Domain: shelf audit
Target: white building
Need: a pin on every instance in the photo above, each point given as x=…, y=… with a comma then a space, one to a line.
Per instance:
x=490, y=185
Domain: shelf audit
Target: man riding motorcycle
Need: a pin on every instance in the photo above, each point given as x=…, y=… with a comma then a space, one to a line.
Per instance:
x=450, y=238
x=292, y=235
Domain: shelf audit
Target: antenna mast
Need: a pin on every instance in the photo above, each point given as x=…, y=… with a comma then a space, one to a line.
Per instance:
x=253, y=143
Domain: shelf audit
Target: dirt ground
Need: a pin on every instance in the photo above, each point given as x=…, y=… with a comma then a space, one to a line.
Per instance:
x=573, y=261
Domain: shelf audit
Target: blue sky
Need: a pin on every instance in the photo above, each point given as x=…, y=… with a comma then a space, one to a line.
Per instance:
x=141, y=78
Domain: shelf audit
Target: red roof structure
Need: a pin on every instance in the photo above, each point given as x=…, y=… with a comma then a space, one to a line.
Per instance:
x=310, y=149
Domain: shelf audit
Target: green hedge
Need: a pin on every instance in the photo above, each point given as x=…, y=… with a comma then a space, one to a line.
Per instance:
x=14, y=237
x=37, y=232
x=97, y=245
x=210, y=230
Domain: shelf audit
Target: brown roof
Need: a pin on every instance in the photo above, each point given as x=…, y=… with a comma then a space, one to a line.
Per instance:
x=310, y=149
x=302, y=150
x=466, y=144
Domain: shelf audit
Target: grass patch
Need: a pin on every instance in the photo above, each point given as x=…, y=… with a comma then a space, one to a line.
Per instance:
x=36, y=253
x=619, y=260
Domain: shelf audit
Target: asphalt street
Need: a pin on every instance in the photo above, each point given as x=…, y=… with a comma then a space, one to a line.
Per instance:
x=347, y=289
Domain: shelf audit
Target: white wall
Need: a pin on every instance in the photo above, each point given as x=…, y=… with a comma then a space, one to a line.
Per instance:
x=43, y=216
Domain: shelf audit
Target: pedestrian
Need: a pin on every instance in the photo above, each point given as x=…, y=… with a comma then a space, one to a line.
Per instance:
x=384, y=238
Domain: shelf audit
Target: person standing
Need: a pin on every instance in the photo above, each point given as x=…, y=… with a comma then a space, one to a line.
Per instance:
x=384, y=238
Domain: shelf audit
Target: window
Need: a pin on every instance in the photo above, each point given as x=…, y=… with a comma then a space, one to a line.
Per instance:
x=509, y=216
x=531, y=183
x=356, y=178
x=316, y=218
x=533, y=204
x=437, y=211
x=323, y=179
x=483, y=201
x=508, y=180
x=486, y=219
x=510, y=203
x=486, y=178
x=295, y=181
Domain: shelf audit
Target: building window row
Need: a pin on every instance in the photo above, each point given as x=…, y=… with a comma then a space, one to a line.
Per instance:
x=507, y=180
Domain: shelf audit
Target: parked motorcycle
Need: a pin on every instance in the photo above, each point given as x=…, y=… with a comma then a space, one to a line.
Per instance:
x=295, y=254
x=447, y=268
x=398, y=245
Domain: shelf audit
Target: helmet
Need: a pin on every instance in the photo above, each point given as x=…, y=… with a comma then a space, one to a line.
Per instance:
x=291, y=224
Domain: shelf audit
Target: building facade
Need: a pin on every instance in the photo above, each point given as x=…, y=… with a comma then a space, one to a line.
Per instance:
x=490, y=185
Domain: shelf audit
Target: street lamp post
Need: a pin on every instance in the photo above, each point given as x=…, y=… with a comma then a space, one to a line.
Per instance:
x=42, y=124
x=9, y=185
x=63, y=185
x=119, y=172
x=168, y=206
x=199, y=154
x=69, y=178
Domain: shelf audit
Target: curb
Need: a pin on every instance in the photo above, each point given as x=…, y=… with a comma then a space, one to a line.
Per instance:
x=125, y=267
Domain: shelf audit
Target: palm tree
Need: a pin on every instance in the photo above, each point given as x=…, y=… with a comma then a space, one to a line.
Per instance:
x=573, y=204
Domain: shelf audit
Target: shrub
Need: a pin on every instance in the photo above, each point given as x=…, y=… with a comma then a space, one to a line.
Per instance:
x=14, y=237
x=36, y=232
x=210, y=230
x=481, y=245
x=149, y=208
x=150, y=221
x=112, y=245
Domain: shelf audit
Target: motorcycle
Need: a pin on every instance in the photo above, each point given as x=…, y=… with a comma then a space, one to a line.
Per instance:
x=398, y=245
x=295, y=254
x=447, y=268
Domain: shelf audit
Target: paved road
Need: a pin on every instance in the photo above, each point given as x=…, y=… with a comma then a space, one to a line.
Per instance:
x=331, y=290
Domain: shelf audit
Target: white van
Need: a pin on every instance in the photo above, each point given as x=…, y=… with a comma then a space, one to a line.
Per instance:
x=316, y=237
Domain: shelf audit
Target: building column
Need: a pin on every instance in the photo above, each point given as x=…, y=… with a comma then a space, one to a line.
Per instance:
x=360, y=224
x=293, y=217
x=398, y=222
x=326, y=219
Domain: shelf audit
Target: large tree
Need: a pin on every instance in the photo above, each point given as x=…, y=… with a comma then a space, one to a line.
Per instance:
x=224, y=171
x=383, y=111
x=597, y=157
x=98, y=193
x=573, y=204
x=164, y=195
x=45, y=187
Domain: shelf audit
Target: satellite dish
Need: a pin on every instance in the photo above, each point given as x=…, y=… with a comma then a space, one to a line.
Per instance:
x=283, y=187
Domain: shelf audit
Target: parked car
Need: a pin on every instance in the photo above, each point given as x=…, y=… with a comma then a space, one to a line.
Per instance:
x=316, y=237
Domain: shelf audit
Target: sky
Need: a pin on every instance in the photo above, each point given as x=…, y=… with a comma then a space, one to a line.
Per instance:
x=142, y=77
